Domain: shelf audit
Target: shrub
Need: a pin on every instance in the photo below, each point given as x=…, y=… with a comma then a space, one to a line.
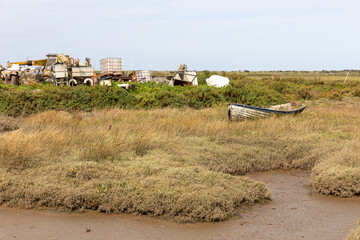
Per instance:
x=304, y=93
x=264, y=91
x=19, y=101
x=356, y=92
x=335, y=95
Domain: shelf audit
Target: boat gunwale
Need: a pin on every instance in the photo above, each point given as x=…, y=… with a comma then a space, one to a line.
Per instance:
x=269, y=110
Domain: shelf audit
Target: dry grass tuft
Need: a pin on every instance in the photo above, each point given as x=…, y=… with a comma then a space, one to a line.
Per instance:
x=355, y=235
x=7, y=123
x=339, y=175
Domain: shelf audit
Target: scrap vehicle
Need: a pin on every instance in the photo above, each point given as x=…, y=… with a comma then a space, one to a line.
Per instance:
x=71, y=72
x=183, y=77
x=45, y=64
x=11, y=75
x=56, y=68
x=26, y=72
x=30, y=71
x=52, y=59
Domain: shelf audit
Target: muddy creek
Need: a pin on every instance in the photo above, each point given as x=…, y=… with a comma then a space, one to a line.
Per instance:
x=295, y=212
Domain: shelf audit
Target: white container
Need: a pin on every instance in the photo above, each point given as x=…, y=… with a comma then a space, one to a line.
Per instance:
x=110, y=67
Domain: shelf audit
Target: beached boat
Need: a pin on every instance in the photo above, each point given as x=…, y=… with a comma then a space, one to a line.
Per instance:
x=238, y=112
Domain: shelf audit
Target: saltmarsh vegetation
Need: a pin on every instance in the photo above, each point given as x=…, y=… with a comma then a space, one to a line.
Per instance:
x=119, y=161
x=355, y=235
x=97, y=148
x=183, y=164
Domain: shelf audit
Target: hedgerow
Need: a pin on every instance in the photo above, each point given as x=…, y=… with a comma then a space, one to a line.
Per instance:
x=19, y=101
x=25, y=100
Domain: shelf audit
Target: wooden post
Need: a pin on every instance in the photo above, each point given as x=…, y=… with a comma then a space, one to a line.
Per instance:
x=347, y=75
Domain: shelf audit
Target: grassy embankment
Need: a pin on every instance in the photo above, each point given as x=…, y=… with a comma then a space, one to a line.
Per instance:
x=183, y=163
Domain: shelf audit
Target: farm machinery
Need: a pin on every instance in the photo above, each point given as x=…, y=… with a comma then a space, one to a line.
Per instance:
x=57, y=69
x=71, y=72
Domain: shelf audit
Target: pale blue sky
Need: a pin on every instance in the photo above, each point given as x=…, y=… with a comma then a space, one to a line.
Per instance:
x=212, y=35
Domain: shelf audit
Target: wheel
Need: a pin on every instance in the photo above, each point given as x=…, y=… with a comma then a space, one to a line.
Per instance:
x=89, y=82
x=72, y=82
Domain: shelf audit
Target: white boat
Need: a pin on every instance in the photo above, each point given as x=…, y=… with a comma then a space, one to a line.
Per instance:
x=238, y=112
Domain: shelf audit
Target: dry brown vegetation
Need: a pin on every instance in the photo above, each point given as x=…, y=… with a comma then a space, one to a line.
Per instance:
x=180, y=163
x=355, y=235
x=7, y=123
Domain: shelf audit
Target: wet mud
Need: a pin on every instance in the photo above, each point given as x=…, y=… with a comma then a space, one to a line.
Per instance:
x=295, y=212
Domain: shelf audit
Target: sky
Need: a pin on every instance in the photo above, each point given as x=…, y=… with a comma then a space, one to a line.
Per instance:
x=206, y=35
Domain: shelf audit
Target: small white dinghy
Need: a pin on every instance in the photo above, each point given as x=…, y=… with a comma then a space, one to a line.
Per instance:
x=239, y=112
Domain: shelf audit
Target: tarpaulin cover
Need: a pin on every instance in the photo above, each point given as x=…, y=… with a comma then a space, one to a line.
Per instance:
x=217, y=81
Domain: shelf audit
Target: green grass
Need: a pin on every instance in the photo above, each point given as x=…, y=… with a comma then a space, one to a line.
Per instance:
x=246, y=88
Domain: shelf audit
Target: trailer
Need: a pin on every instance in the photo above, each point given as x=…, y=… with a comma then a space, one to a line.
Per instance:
x=63, y=73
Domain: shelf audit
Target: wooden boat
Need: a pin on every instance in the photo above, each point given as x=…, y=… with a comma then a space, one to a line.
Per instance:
x=238, y=112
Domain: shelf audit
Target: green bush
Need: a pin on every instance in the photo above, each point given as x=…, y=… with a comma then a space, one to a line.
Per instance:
x=18, y=101
x=24, y=100
x=305, y=93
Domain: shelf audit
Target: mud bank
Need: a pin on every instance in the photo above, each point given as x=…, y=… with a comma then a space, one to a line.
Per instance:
x=295, y=212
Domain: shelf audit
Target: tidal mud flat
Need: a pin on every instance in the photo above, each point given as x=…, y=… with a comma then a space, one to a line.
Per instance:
x=295, y=212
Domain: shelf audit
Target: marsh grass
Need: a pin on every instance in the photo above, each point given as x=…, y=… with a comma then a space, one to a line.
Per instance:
x=180, y=163
x=355, y=235
x=7, y=123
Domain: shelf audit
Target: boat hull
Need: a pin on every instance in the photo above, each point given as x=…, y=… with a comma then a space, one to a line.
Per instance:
x=239, y=112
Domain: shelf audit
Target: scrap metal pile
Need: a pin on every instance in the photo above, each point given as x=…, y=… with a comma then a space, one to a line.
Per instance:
x=61, y=69
x=57, y=69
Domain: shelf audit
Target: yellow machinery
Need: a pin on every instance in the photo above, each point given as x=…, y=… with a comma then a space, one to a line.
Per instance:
x=46, y=63
x=41, y=62
x=57, y=69
x=56, y=58
x=71, y=72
